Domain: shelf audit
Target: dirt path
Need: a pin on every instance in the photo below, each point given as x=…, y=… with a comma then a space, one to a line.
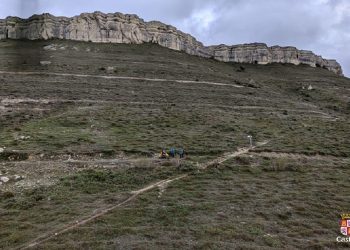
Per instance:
x=47, y=237
x=161, y=184
x=119, y=78
x=226, y=157
x=7, y=101
x=298, y=156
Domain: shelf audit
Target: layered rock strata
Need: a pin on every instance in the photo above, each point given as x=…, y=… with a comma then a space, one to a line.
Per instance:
x=120, y=28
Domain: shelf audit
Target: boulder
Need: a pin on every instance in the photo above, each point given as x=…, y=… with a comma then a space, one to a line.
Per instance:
x=4, y=179
x=45, y=63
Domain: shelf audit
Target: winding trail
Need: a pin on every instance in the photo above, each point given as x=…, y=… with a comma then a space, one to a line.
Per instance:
x=134, y=194
x=226, y=157
x=315, y=113
x=33, y=73
x=118, y=78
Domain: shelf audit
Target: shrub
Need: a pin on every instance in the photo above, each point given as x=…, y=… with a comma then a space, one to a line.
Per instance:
x=187, y=166
x=6, y=195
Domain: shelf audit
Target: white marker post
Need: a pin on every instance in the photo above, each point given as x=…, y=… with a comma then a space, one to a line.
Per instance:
x=250, y=140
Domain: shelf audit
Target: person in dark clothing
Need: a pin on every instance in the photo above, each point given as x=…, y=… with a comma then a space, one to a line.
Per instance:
x=181, y=152
x=172, y=152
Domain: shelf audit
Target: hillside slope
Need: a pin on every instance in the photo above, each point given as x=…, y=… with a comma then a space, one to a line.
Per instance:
x=81, y=126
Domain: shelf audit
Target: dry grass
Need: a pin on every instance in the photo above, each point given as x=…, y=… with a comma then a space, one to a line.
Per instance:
x=287, y=194
x=233, y=206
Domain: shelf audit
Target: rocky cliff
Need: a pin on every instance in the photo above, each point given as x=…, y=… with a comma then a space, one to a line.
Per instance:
x=120, y=28
x=260, y=53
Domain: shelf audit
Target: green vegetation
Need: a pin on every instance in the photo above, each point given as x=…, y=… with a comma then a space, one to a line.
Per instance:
x=84, y=143
x=234, y=205
x=74, y=197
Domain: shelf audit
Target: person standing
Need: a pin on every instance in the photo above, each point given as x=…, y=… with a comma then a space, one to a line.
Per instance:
x=181, y=152
x=172, y=152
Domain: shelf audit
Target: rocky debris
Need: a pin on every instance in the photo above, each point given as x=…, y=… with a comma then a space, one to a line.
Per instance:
x=23, y=138
x=249, y=83
x=110, y=69
x=2, y=150
x=309, y=87
x=120, y=28
x=4, y=179
x=252, y=84
x=51, y=47
x=45, y=63
x=17, y=177
x=55, y=47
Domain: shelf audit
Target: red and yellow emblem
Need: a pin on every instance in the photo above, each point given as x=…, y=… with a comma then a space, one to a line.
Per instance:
x=345, y=224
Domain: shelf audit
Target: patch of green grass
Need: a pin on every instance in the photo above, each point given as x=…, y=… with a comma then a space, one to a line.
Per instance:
x=72, y=198
x=230, y=206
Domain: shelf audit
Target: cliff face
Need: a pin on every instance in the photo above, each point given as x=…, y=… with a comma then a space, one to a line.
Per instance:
x=260, y=53
x=120, y=28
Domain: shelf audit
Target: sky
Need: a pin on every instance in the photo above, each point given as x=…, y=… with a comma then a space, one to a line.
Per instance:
x=322, y=26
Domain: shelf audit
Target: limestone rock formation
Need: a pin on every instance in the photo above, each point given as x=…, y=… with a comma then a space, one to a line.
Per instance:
x=260, y=53
x=120, y=28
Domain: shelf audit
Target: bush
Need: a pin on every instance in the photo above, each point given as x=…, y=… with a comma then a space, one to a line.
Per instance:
x=241, y=69
x=13, y=156
x=243, y=160
x=281, y=164
x=187, y=167
x=6, y=195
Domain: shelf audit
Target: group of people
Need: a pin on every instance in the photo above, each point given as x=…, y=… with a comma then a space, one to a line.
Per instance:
x=172, y=153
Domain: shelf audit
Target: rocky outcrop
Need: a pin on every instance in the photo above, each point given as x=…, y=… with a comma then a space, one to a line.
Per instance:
x=120, y=28
x=260, y=53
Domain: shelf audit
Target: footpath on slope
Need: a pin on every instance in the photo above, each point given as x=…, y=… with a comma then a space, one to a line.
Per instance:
x=7, y=101
x=155, y=80
x=120, y=78
x=160, y=184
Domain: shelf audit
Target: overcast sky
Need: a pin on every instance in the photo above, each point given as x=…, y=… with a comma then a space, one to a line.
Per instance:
x=322, y=26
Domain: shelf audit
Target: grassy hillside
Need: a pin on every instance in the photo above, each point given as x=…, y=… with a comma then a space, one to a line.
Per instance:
x=83, y=132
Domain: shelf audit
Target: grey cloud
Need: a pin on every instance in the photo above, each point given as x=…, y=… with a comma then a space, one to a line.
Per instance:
x=26, y=7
